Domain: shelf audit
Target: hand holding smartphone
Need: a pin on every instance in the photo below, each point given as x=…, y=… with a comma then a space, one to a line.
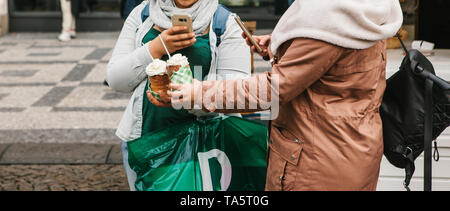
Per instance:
x=183, y=20
x=174, y=38
x=247, y=33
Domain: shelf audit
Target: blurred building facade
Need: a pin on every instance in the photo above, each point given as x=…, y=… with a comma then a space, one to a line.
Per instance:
x=428, y=19
x=4, y=18
x=104, y=15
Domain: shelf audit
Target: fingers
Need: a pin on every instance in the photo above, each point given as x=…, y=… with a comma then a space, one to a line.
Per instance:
x=177, y=93
x=155, y=101
x=164, y=97
x=248, y=42
x=263, y=53
x=181, y=93
x=243, y=35
x=185, y=43
x=177, y=99
x=180, y=37
x=176, y=38
x=175, y=86
x=176, y=96
x=265, y=40
x=176, y=30
x=152, y=99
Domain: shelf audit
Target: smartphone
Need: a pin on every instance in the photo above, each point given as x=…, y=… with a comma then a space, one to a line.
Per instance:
x=183, y=20
x=247, y=33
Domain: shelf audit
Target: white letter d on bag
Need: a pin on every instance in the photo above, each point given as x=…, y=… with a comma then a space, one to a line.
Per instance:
x=225, y=180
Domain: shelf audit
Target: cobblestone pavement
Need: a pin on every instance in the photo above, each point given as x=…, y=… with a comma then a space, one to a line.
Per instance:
x=50, y=87
x=62, y=178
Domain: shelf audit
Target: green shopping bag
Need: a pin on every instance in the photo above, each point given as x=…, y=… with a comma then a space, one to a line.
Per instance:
x=223, y=153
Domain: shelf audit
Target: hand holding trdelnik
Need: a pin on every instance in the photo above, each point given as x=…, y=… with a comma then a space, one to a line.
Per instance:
x=160, y=74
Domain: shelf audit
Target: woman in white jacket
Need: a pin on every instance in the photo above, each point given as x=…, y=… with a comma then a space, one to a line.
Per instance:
x=137, y=47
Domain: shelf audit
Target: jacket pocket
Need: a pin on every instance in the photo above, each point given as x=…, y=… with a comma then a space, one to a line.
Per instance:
x=284, y=156
x=359, y=61
x=285, y=144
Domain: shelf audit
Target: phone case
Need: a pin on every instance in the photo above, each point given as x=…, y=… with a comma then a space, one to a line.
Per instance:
x=183, y=20
x=247, y=33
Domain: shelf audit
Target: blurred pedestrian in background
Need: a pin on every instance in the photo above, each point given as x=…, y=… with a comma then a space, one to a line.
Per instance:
x=68, y=21
x=127, y=6
x=70, y=11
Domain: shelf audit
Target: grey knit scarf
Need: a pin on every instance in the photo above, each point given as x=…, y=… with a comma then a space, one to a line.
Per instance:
x=202, y=13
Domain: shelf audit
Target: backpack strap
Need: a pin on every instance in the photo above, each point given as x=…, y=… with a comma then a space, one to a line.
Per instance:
x=428, y=134
x=402, y=43
x=220, y=22
x=410, y=167
x=145, y=12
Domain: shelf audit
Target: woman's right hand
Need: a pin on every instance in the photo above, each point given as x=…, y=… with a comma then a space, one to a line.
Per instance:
x=175, y=40
x=263, y=41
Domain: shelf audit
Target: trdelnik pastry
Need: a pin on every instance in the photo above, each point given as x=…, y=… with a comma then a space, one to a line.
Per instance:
x=157, y=67
x=158, y=78
x=176, y=62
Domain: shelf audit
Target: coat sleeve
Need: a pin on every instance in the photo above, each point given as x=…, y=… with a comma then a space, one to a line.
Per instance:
x=234, y=58
x=301, y=64
x=126, y=68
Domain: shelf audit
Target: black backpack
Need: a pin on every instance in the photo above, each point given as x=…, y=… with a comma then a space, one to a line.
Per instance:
x=415, y=111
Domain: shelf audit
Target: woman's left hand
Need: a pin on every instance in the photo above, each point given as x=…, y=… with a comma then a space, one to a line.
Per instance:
x=163, y=102
x=183, y=94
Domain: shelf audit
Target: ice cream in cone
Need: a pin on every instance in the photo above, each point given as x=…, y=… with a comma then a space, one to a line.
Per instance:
x=175, y=63
x=158, y=78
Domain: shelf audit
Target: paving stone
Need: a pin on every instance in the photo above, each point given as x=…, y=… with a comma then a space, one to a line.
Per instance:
x=79, y=72
x=7, y=110
x=39, y=62
x=26, y=84
x=3, y=95
x=3, y=148
x=43, y=54
x=18, y=73
x=88, y=109
x=8, y=44
x=115, y=156
x=116, y=95
x=92, y=84
x=63, y=177
x=56, y=154
x=54, y=96
x=59, y=136
x=97, y=54
x=25, y=187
